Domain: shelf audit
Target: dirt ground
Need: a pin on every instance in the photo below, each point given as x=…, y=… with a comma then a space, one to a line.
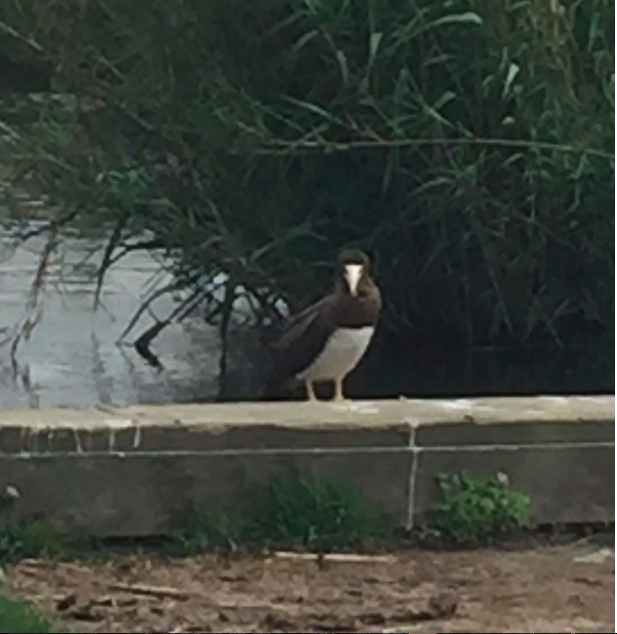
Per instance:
x=547, y=589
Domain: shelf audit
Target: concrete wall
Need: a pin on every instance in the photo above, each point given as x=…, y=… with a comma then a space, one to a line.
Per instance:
x=132, y=471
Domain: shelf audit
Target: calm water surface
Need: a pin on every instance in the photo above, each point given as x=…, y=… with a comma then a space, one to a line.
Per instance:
x=72, y=358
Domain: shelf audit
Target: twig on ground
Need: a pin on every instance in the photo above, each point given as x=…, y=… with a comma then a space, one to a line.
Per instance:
x=340, y=557
x=160, y=592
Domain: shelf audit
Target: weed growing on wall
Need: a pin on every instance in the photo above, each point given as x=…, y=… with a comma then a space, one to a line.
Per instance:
x=471, y=509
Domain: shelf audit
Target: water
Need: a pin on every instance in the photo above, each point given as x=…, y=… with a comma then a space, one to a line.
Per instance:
x=72, y=357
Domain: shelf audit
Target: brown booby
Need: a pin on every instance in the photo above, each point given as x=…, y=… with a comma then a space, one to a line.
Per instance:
x=325, y=341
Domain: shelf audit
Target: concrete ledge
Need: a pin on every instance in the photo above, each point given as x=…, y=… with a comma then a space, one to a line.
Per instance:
x=130, y=471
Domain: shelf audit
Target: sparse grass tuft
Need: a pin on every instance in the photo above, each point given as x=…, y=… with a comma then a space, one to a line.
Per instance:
x=203, y=530
x=312, y=512
x=291, y=511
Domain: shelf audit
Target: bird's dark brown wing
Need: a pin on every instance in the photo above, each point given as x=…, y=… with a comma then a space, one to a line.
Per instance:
x=300, y=339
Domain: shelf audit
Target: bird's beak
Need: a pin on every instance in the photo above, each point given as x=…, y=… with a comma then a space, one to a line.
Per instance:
x=353, y=272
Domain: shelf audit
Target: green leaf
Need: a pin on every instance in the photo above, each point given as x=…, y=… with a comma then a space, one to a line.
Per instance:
x=374, y=42
x=341, y=58
x=458, y=18
x=513, y=71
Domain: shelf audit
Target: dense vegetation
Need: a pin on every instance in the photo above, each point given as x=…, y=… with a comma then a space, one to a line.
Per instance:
x=20, y=618
x=468, y=144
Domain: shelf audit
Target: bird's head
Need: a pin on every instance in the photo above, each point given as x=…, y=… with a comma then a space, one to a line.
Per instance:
x=353, y=270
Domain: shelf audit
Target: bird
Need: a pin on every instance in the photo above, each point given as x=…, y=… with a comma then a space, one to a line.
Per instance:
x=326, y=340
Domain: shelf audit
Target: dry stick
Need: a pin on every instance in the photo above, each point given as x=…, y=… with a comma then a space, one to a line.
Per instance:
x=142, y=344
x=144, y=245
x=399, y=628
x=160, y=592
x=156, y=294
x=340, y=557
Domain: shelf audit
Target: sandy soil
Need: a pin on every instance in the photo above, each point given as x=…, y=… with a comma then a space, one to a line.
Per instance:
x=547, y=589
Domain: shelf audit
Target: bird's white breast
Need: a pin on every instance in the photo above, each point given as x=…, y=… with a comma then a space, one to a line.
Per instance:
x=340, y=354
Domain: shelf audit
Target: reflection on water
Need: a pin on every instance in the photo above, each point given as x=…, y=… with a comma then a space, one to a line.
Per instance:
x=72, y=358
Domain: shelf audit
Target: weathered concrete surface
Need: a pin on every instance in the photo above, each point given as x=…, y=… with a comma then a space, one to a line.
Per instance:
x=132, y=471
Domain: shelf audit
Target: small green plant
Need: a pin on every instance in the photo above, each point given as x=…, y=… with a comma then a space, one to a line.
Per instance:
x=320, y=513
x=30, y=539
x=18, y=617
x=471, y=509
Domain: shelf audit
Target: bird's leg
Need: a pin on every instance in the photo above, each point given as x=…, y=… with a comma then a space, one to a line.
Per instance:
x=338, y=389
x=310, y=391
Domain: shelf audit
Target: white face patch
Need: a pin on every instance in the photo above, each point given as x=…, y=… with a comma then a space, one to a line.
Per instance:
x=352, y=275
